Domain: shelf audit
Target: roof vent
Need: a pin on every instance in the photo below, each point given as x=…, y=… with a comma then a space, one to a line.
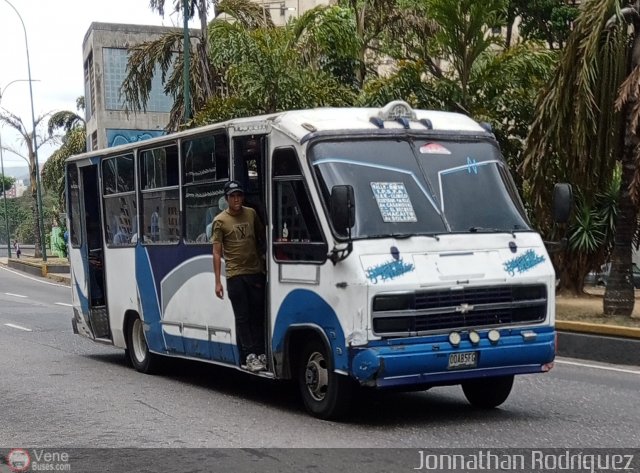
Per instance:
x=427, y=123
x=377, y=122
x=404, y=122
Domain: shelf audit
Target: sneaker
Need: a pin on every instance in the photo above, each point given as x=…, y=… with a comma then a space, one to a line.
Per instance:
x=254, y=364
x=263, y=359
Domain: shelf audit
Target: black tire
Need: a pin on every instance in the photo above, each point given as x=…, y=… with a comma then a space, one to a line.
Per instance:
x=487, y=393
x=326, y=395
x=139, y=355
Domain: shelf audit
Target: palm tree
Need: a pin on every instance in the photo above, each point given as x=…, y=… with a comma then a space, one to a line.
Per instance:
x=454, y=61
x=74, y=141
x=587, y=120
x=26, y=139
x=145, y=56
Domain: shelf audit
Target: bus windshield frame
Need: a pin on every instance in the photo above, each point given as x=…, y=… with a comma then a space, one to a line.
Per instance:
x=407, y=186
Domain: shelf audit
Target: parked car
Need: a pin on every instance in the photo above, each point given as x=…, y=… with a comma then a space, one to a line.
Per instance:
x=599, y=278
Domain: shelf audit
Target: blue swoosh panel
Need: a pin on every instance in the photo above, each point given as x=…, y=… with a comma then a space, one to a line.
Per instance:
x=302, y=306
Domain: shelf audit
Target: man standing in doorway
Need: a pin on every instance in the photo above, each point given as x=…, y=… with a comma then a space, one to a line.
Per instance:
x=238, y=234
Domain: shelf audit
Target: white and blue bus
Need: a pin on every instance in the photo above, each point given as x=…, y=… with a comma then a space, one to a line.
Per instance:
x=398, y=252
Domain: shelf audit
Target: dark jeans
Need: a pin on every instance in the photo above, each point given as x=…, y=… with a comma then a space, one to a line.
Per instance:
x=247, y=295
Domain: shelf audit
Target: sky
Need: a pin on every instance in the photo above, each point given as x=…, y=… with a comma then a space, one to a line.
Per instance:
x=55, y=32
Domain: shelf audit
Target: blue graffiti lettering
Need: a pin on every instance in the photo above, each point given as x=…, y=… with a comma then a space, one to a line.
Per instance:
x=389, y=270
x=472, y=165
x=523, y=262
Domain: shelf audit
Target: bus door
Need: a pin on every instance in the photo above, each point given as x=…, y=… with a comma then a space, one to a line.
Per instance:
x=249, y=168
x=93, y=252
x=298, y=247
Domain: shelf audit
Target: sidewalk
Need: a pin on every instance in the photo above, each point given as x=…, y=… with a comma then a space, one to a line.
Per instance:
x=596, y=342
x=50, y=271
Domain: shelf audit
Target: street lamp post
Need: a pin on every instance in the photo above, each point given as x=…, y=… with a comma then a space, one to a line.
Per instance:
x=4, y=196
x=35, y=147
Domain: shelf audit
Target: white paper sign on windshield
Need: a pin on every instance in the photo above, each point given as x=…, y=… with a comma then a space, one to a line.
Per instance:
x=393, y=201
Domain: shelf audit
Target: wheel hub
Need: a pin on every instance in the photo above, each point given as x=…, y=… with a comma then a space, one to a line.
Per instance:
x=317, y=376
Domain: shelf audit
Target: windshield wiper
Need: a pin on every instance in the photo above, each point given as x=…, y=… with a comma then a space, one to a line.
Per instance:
x=403, y=236
x=492, y=230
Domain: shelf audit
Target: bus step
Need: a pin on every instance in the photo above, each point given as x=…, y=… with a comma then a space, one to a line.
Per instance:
x=100, y=322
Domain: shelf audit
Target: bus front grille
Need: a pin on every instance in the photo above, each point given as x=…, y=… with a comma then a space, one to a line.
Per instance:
x=413, y=313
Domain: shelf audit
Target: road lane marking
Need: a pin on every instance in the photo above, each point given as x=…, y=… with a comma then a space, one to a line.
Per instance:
x=22, y=275
x=599, y=367
x=64, y=304
x=15, y=295
x=19, y=327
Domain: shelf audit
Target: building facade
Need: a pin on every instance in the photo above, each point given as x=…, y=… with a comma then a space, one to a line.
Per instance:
x=105, y=54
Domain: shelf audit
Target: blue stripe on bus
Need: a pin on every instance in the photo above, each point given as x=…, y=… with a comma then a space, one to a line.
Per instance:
x=149, y=300
x=302, y=306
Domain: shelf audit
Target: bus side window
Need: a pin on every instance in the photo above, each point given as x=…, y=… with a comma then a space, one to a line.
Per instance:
x=118, y=189
x=159, y=178
x=297, y=236
x=205, y=170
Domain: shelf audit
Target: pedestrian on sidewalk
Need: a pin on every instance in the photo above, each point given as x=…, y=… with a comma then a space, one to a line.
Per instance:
x=16, y=248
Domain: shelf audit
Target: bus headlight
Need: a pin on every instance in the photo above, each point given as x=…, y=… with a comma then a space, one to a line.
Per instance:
x=455, y=339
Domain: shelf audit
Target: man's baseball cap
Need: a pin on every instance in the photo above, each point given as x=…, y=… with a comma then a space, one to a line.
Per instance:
x=231, y=187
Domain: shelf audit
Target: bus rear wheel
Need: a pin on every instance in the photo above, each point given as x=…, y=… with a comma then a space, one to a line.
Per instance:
x=141, y=358
x=487, y=393
x=326, y=395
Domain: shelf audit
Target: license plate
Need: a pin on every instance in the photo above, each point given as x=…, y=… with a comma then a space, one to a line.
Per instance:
x=468, y=359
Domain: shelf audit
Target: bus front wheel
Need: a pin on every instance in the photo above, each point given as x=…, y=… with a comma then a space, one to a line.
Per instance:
x=141, y=358
x=326, y=395
x=487, y=393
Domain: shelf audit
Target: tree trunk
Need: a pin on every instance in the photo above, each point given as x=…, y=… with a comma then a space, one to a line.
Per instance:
x=36, y=221
x=619, y=296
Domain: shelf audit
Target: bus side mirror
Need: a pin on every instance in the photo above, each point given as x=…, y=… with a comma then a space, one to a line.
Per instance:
x=343, y=209
x=562, y=202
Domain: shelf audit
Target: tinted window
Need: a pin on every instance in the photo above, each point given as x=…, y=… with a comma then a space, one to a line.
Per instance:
x=118, y=175
x=73, y=192
x=205, y=170
x=160, y=217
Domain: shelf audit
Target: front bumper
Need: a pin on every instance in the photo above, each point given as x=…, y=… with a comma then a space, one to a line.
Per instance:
x=424, y=361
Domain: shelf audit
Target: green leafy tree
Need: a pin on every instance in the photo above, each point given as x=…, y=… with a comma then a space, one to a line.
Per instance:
x=6, y=182
x=72, y=142
x=307, y=63
x=587, y=122
x=544, y=20
x=461, y=65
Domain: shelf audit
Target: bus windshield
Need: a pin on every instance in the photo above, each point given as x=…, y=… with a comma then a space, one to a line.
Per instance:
x=421, y=187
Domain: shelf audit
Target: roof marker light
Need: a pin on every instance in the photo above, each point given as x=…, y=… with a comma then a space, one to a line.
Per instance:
x=309, y=127
x=397, y=109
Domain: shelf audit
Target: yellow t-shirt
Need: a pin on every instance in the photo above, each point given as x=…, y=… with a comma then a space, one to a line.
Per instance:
x=239, y=235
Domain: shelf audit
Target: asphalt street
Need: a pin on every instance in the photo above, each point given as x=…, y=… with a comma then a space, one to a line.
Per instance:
x=61, y=390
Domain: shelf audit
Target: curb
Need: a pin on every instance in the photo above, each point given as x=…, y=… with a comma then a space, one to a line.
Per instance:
x=598, y=329
x=599, y=342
